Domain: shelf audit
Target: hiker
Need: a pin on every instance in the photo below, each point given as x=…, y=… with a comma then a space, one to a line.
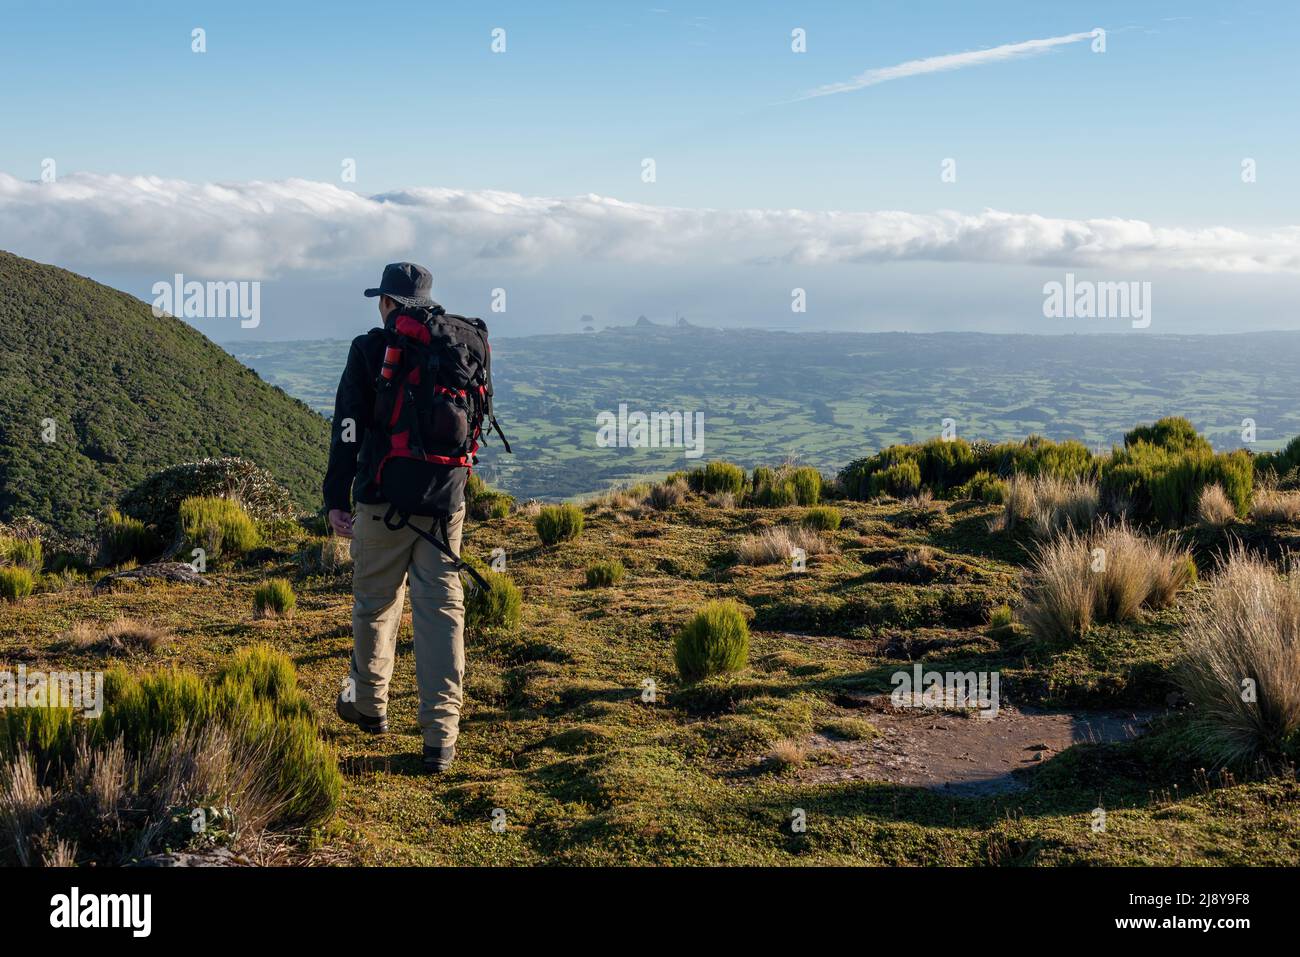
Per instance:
x=408, y=418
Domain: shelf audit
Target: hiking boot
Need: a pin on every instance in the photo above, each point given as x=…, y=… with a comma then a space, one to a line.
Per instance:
x=349, y=713
x=437, y=760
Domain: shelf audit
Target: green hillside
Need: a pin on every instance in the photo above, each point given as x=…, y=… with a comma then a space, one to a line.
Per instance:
x=128, y=394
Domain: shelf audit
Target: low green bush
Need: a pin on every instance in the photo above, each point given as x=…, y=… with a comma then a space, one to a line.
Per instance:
x=124, y=539
x=16, y=582
x=1158, y=484
x=718, y=477
x=984, y=487
x=500, y=605
x=558, y=523
x=825, y=518
x=714, y=641
x=1173, y=433
x=483, y=502
x=219, y=526
x=604, y=574
x=901, y=481
x=807, y=484
x=274, y=598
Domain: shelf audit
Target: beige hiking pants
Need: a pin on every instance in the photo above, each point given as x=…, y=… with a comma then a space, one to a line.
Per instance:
x=382, y=562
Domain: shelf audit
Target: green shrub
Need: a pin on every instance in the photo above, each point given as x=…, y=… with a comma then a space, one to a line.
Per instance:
x=219, y=526
x=825, y=518
x=16, y=582
x=23, y=552
x=1172, y=433
x=498, y=605
x=1157, y=484
x=718, y=477
x=782, y=494
x=985, y=487
x=945, y=467
x=1281, y=463
x=124, y=539
x=267, y=674
x=779, y=488
x=807, y=484
x=558, y=523
x=901, y=481
x=604, y=574
x=714, y=641
x=274, y=598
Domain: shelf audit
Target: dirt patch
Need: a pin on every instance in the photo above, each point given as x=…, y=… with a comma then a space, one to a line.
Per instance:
x=960, y=753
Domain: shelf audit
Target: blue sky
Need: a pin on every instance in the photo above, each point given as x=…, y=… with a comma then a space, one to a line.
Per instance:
x=1154, y=129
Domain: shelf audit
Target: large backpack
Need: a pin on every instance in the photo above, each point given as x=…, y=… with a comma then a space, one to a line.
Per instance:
x=433, y=395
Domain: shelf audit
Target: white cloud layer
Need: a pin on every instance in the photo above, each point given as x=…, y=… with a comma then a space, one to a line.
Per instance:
x=264, y=230
x=949, y=61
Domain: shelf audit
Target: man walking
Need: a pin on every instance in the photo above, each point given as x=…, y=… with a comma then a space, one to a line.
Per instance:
x=385, y=558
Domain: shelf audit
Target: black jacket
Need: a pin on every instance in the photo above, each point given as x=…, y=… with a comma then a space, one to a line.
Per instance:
x=351, y=470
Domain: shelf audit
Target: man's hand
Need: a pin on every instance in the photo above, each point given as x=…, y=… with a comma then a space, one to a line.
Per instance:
x=341, y=522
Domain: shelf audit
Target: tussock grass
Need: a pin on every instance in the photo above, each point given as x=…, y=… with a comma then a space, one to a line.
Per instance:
x=1049, y=504
x=120, y=635
x=667, y=494
x=786, y=755
x=777, y=544
x=168, y=743
x=1273, y=507
x=1241, y=669
x=1109, y=575
x=1213, y=507
x=324, y=555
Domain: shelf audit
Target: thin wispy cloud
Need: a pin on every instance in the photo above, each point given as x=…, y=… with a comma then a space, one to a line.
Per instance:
x=947, y=62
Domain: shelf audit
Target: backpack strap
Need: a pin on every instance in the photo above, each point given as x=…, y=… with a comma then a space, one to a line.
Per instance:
x=444, y=546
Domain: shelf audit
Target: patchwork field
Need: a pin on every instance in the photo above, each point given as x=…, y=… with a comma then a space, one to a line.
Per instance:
x=827, y=398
